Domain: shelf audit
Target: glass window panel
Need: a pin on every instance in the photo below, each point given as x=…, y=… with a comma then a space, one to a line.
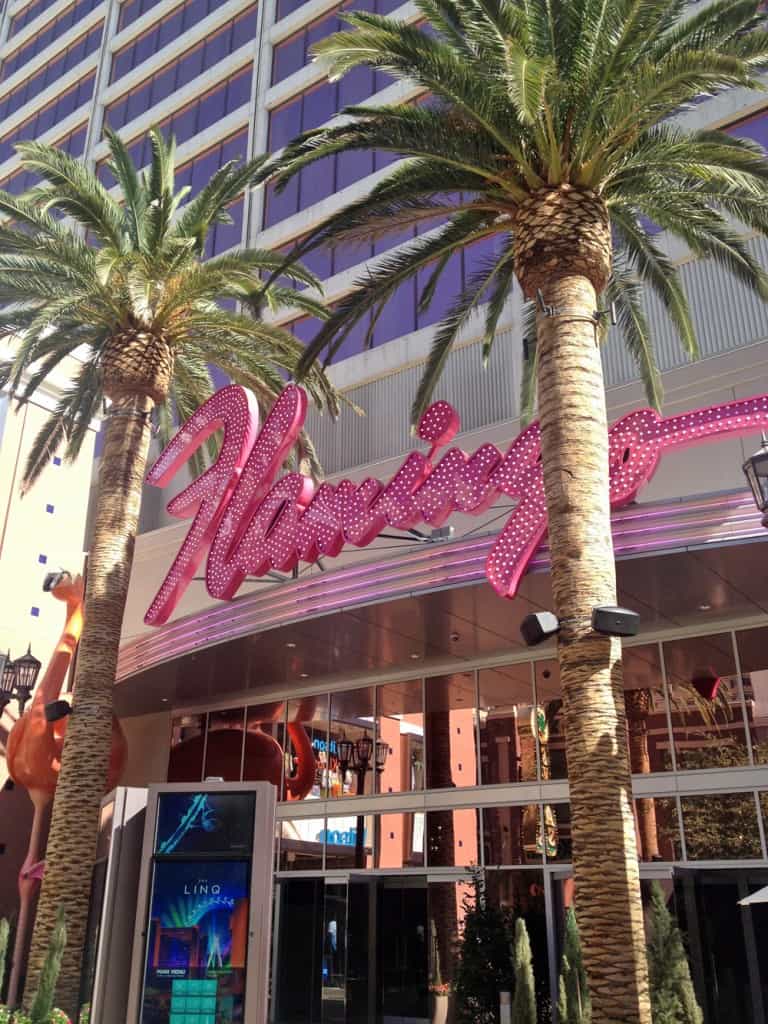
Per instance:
x=211, y=109
x=318, y=261
x=446, y=907
x=355, y=341
x=217, y=48
x=244, y=29
x=384, y=158
x=722, y=827
x=239, y=89
x=319, y=106
x=234, y=148
x=657, y=829
x=446, y=291
x=451, y=751
x=138, y=101
x=288, y=57
x=392, y=239
x=190, y=66
x=351, y=167
x=194, y=11
x=707, y=720
x=163, y=84
x=66, y=104
x=552, y=724
x=349, y=254
x=400, y=842
x=307, y=737
x=279, y=205
x=521, y=894
x=453, y=838
x=352, y=722
x=229, y=235
x=753, y=658
x=350, y=841
x=185, y=763
x=284, y=124
x=755, y=128
x=306, y=328
x=264, y=740
x=170, y=29
x=398, y=316
x=203, y=169
x=356, y=86
x=400, y=725
x=646, y=709
x=317, y=182
x=224, y=745
x=512, y=835
x=143, y=48
x=507, y=719
x=301, y=844
x=184, y=123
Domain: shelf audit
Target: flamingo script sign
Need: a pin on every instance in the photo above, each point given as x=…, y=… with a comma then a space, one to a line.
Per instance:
x=248, y=522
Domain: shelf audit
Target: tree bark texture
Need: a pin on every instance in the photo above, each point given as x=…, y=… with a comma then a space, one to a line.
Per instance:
x=574, y=446
x=85, y=759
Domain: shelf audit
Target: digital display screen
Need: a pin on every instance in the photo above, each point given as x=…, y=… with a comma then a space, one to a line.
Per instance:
x=204, y=823
x=197, y=937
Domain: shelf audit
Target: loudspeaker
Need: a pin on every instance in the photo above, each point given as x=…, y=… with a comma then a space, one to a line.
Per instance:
x=536, y=627
x=615, y=621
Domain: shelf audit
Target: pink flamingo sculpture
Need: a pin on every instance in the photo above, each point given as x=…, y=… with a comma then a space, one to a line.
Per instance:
x=34, y=756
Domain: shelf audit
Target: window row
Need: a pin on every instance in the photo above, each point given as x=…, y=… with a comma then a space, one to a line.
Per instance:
x=73, y=143
x=686, y=706
x=707, y=827
x=293, y=53
x=132, y=10
x=169, y=29
x=30, y=12
x=207, y=110
x=54, y=29
x=50, y=115
x=185, y=69
x=51, y=71
x=401, y=314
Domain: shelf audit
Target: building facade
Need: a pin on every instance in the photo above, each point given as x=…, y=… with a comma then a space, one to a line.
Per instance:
x=401, y=651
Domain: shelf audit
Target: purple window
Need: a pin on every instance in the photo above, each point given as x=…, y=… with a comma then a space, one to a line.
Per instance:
x=217, y=47
x=446, y=291
x=122, y=63
x=244, y=29
x=143, y=48
x=278, y=206
x=203, y=169
x=211, y=109
x=286, y=7
x=349, y=254
x=234, y=148
x=355, y=341
x=163, y=84
x=239, y=89
x=384, y=159
x=194, y=11
x=389, y=241
x=319, y=105
x=284, y=124
x=306, y=328
x=42, y=559
x=49, y=509
x=356, y=86
x=34, y=611
x=755, y=128
x=319, y=261
x=288, y=57
x=170, y=29
x=139, y=101
x=398, y=315
x=321, y=29
x=229, y=235
x=317, y=182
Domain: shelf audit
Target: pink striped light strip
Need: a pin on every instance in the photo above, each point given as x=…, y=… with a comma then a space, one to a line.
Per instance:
x=637, y=530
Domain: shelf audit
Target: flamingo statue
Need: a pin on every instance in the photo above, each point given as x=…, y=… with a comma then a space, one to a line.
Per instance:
x=34, y=755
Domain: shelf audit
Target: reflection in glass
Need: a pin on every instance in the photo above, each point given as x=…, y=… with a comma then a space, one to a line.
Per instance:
x=558, y=841
x=508, y=724
x=400, y=725
x=522, y=893
x=512, y=835
x=550, y=720
x=707, y=720
x=334, y=952
x=753, y=657
x=264, y=738
x=450, y=731
x=351, y=760
x=453, y=838
x=664, y=842
x=224, y=745
x=185, y=762
x=307, y=768
x=646, y=710
x=301, y=844
x=722, y=827
x=400, y=840
x=446, y=908
x=350, y=841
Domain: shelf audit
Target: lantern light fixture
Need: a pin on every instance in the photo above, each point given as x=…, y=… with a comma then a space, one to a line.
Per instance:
x=756, y=471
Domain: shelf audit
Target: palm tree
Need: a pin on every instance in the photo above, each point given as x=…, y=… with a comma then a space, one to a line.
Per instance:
x=121, y=282
x=550, y=129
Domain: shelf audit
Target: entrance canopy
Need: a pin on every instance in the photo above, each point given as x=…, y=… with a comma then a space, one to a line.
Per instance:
x=761, y=896
x=427, y=607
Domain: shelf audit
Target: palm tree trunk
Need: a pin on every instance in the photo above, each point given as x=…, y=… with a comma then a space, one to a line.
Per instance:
x=75, y=821
x=574, y=446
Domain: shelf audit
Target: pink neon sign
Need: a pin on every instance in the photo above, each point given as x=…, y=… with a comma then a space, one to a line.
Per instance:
x=249, y=524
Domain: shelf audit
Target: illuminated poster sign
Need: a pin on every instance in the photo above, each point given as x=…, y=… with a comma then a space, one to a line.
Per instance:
x=249, y=523
x=196, y=943
x=204, y=823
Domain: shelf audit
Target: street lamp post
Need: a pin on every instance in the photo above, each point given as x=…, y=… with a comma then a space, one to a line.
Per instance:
x=18, y=678
x=756, y=472
x=356, y=757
